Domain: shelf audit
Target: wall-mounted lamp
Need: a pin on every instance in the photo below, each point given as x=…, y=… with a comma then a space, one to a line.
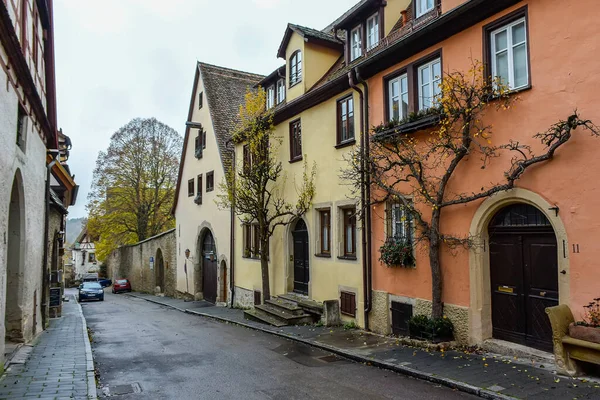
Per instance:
x=187, y=253
x=60, y=235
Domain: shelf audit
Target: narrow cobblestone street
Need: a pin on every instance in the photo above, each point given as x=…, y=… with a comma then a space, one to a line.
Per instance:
x=143, y=350
x=57, y=367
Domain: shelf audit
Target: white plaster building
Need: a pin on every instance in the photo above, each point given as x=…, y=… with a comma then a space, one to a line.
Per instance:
x=83, y=255
x=28, y=133
x=202, y=228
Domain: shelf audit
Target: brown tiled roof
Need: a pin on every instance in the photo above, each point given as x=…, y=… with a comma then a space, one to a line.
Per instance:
x=225, y=90
x=309, y=34
x=314, y=33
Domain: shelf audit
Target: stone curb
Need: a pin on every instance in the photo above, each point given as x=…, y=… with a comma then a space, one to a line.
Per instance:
x=91, y=377
x=401, y=369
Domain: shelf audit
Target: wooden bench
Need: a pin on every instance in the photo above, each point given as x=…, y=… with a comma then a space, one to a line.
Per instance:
x=567, y=350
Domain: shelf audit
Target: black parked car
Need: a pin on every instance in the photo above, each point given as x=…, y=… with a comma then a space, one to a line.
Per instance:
x=105, y=282
x=91, y=291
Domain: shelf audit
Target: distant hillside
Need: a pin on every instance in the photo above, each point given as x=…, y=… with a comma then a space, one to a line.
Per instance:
x=74, y=227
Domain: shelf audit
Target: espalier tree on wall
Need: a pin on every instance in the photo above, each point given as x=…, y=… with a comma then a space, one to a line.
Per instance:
x=134, y=185
x=414, y=169
x=254, y=187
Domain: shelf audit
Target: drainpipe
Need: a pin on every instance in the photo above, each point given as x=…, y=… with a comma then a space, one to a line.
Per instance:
x=232, y=236
x=366, y=221
x=45, y=276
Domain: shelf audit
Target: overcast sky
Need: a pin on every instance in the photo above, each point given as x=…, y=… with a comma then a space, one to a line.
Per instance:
x=121, y=59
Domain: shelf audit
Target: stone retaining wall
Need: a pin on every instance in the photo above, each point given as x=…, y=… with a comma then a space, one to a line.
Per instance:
x=133, y=262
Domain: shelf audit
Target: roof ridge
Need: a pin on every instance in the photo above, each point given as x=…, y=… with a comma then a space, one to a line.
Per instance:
x=204, y=64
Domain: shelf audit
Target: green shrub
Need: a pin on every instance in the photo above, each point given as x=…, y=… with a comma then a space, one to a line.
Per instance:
x=423, y=327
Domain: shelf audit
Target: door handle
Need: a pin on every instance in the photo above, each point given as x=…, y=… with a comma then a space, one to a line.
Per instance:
x=564, y=272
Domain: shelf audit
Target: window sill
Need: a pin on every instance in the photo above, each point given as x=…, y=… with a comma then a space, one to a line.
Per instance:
x=293, y=160
x=295, y=83
x=209, y=190
x=348, y=314
x=321, y=255
x=347, y=143
x=408, y=127
x=351, y=258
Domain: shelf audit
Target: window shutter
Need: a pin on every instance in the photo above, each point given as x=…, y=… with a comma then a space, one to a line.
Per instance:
x=389, y=207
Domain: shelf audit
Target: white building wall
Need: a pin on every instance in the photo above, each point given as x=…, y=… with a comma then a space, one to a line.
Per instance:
x=82, y=264
x=192, y=219
x=31, y=166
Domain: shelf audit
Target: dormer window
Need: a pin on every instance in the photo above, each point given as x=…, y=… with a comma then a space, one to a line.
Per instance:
x=355, y=43
x=296, y=68
x=373, y=31
x=424, y=6
x=280, y=91
x=270, y=97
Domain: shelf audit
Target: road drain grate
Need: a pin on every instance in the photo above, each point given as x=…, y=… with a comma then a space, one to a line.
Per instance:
x=119, y=390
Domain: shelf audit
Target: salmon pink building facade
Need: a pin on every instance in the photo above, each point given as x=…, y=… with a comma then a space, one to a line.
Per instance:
x=536, y=243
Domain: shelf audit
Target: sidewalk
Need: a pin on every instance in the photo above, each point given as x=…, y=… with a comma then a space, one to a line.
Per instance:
x=59, y=365
x=488, y=376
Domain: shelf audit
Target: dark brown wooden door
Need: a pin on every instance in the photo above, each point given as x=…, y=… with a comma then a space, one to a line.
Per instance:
x=209, y=269
x=524, y=278
x=301, y=267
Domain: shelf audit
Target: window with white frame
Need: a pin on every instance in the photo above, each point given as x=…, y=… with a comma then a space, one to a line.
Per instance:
x=280, y=91
x=398, y=97
x=270, y=96
x=295, y=68
x=400, y=223
x=373, y=31
x=509, y=54
x=430, y=76
x=356, y=43
x=424, y=6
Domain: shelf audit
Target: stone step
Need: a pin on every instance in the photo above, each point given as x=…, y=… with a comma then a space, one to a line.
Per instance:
x=260, y=316
x=284, y=316
x=311, y=306
x=285, y=305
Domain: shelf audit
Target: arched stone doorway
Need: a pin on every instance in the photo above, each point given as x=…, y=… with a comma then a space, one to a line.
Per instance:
x=209, y=268
x=301, y=258
x=480, y=310
x=159, y=271
x=14, y=269
x=523, y=275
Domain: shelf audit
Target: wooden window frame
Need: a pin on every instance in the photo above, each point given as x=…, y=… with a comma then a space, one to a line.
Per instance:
x=295, y=153
x=377, y=18
x=210, y=181
x=199, y=189
x=339, y=125
x=488, y=29
x=348, y=303
x=429, y=65
x=247, y=240
x=191, y=187
x=436, y=5
x=411, y=71
x=388, y=94
x=322, y=224
x=295, y=61
x=348, y=221
x=200, y=100
x=409, y=227
x=280, y=88
x=360, y=29
x=23, y=23
x=271, y=100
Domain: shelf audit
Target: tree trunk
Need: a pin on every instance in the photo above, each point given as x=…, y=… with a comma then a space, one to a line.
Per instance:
x=436, y=270
x=264, y=266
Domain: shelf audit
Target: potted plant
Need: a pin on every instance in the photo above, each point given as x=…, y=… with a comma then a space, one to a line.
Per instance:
x=396, y=252
x=589, y=327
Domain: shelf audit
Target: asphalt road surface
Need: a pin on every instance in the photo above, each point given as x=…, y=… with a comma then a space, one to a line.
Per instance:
x=146, y=351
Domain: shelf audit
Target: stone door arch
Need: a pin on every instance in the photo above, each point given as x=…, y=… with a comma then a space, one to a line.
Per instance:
x=14, y=268
x=480, y=310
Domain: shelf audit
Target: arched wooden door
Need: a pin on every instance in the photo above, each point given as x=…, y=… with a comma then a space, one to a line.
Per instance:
x=209, y=268
x=524, y=275
x=301, y=267
x=159, y=271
